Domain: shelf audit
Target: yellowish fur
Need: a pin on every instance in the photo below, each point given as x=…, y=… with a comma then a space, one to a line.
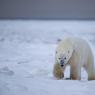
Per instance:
x=58, y=71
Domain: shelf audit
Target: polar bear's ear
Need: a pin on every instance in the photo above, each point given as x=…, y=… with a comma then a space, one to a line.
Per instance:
x=58, y=40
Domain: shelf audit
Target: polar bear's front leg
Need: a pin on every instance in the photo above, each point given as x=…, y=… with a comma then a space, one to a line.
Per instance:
x=58, y=71
x=75, y=72
x=75, y=67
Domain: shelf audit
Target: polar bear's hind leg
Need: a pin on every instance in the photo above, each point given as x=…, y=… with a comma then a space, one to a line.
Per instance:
x=89, y=67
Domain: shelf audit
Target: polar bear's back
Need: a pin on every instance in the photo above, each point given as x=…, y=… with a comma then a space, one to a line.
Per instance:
x=82, y=48
x=80, y=43
x=76, y=42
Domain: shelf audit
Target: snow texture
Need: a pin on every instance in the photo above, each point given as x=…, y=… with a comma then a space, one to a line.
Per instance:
x=27, y=50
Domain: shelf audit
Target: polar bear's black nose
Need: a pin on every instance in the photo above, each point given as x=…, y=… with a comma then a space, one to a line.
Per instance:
x=62, y=62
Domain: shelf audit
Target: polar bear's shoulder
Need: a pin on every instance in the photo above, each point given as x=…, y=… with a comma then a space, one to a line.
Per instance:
x=65, y=42
x=72, y=40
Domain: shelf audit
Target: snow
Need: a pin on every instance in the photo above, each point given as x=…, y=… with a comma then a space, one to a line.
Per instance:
x=27, y=50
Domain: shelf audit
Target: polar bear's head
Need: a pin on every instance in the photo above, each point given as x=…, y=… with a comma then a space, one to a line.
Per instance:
x=63, y=53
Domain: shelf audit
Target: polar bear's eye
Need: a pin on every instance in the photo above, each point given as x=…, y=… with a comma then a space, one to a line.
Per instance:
x=59, y=58
x=68, y=51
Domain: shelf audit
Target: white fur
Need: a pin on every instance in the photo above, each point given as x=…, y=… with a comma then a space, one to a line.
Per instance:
x=78, y=54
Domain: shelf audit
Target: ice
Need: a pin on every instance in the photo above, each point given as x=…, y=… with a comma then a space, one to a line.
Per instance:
x=27, y=53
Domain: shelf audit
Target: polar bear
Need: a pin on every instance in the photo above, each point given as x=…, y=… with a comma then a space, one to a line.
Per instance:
x=77, y=53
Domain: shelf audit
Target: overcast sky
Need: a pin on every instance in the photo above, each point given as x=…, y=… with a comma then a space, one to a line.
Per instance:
x=66, y=9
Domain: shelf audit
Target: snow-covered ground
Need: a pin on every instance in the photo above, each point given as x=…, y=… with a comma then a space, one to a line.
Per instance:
x=27, y=51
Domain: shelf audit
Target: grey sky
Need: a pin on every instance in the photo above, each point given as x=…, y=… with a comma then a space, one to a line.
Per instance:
x=66, y=9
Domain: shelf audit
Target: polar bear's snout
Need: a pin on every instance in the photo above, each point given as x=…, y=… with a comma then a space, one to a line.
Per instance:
x=62, y=62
